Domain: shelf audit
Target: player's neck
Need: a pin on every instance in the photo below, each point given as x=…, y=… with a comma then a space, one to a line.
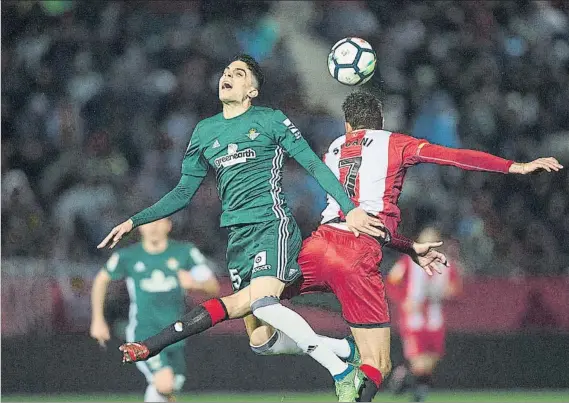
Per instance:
x=233, y=109
x=155, y=248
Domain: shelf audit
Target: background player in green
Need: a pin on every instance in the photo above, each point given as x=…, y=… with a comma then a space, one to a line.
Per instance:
x=246, y=146
x=157, y=272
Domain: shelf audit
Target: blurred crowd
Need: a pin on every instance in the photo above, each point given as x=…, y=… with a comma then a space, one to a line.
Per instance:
x=99, y=100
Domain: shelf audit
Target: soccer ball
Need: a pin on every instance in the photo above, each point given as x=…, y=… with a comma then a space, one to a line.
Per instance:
x=352, y=61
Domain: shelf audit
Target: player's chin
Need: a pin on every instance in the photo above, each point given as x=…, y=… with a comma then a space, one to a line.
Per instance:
x=225, y=95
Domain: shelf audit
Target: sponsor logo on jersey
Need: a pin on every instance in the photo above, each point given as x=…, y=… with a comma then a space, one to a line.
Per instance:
x=158, y=282
x=253, y=134
x=215, y=144
x=172, y=264
x=139, y=267
x=260, y=262
x=290, y=126
x=234, y=156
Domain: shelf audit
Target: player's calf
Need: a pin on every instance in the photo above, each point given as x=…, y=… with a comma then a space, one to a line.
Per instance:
x=265, y=340
x=196, y=321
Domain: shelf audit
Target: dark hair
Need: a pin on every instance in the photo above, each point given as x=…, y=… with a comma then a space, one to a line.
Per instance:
x=363, y=110
x=253, y=66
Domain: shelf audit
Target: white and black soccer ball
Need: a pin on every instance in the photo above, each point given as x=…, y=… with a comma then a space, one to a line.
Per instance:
x=352, y=61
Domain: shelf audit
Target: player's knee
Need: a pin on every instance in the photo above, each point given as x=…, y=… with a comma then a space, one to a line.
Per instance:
x=263, y=302
x=164, y=381
x=420, y=366
x=237, y=305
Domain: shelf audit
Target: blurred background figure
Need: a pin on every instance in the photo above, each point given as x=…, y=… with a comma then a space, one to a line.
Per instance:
x=419, y=300
x=158, y=271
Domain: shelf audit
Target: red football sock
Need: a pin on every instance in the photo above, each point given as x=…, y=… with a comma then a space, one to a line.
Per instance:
x=216, y=310
x=373, y=374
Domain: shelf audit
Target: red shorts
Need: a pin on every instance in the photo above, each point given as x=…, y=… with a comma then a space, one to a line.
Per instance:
x=334, y=260
x=421, y=342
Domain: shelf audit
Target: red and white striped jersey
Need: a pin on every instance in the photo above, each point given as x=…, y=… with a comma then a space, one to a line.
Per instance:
x=371, y=164
x=418, y=296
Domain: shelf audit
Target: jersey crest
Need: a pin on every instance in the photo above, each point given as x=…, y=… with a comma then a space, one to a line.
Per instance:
x=253, y=134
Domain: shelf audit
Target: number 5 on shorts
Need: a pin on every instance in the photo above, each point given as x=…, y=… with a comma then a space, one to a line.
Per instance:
x=235, y=279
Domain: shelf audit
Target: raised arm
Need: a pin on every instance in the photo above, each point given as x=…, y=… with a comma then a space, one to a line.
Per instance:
x=473, y=160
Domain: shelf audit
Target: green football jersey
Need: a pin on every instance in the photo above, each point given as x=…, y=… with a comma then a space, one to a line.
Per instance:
x=156, y=298
x=247, y=153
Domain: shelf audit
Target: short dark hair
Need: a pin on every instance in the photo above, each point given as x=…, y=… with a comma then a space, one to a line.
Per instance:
x=363, y=110
x=253, y=66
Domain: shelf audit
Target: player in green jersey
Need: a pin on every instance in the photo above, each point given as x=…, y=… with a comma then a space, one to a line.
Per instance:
x=157, y=272
x=246, y=146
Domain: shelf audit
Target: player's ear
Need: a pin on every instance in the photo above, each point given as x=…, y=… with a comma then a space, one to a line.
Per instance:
x=348, y=127
x=253, y=93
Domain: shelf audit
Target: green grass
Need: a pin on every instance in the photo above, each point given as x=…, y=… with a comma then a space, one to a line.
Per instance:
x=546, y=395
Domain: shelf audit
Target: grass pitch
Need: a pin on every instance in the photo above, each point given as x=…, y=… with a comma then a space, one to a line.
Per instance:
x=545, y=395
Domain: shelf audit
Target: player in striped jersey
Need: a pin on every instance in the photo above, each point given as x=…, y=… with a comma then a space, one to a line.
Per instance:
x=419, y=300
x=371, y=163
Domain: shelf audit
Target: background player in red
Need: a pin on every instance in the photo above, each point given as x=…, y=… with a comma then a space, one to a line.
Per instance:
x=371, y=163
x=419, y=301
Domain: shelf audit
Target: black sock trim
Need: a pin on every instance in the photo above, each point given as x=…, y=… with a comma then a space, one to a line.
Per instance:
x=368, y=325
x=224, y=308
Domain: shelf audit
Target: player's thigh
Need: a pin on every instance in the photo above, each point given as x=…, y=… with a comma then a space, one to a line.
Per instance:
x=314, y=266
x=268, y=249
x=238, y=304
x=361, y=294
x=275, y=250
x=374, y=345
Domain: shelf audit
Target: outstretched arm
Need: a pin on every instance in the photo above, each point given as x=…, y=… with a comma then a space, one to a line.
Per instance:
x=473, y=160
x=172, y=202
